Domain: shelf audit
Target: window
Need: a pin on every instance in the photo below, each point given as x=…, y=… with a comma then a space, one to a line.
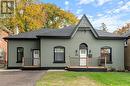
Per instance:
x=7, y=7
x=59, y=54
x=83, y=51
x=20, y=54
x=1, y=52
x=106, y=52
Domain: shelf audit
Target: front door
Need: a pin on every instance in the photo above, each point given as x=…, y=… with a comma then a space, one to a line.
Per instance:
x=83, y=57
x=36, y=57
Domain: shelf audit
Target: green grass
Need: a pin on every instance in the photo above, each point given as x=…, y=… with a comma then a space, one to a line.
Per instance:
x=85, y=79
x=111, y=78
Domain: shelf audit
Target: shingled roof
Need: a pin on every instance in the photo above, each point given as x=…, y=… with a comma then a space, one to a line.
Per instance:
x=65, y=32
x=106, y=34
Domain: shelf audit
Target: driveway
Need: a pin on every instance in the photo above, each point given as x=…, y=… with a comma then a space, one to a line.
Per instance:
x=20, y=78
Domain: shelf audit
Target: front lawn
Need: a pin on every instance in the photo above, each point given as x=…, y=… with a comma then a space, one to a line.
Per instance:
x=85, y=79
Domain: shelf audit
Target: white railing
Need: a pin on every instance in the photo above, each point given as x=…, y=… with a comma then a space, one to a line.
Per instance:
x=29, y=62
x=75, y=61
x=102, y=61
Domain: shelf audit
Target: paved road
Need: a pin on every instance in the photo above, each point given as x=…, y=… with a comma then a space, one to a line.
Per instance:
x=20, y=78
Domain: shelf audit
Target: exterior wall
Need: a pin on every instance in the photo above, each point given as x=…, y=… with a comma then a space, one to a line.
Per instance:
x=71, y=45
x=83, y=35
x=3, y=43
x=127, y=55
x=28, y=45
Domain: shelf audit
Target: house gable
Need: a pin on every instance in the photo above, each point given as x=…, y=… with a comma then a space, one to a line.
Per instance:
x=85, y=25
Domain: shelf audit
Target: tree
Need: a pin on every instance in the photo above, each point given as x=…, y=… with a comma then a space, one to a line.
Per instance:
x=31, y=16
x=57, y=17
x=11, y=22
x=103, y=27
x=122, y=29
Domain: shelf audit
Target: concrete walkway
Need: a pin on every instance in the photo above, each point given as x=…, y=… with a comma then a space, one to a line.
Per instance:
x=9, y=70
x=20, y=78
x=56, y=70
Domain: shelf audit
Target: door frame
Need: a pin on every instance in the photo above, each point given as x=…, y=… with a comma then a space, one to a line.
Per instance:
x=86, y=48
x=33, y=57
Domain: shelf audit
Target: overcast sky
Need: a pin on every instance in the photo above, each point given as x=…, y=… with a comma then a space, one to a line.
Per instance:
x=114, y=13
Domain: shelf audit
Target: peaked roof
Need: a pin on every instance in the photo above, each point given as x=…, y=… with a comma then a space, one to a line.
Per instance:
x=87, y=22
x=65, y=32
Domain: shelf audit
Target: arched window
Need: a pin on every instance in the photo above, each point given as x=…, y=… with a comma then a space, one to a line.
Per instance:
x=83, y=48
x=20, y=54
x=106, y=51
x=59, y=54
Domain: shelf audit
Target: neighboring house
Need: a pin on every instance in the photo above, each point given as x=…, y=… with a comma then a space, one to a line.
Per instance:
x=127, y=51
x=6, y=10
x=3, y=44
x=80, y=45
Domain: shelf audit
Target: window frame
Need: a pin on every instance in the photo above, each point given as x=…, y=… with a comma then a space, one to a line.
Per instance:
x=107, y=47
x=7, y=8
x=85, y=47
x=55, y=57
x=17, y=55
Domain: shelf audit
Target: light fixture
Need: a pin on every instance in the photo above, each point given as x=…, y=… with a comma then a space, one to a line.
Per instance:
x=76, y=52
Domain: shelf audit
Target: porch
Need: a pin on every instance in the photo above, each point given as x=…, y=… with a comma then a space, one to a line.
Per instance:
x=30, y=63
x=86, y=64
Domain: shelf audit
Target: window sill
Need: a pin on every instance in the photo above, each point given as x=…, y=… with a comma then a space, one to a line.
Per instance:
x=58, y=62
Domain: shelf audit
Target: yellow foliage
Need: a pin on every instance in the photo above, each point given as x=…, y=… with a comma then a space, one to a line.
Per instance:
x=32, y=16
x=56, y=17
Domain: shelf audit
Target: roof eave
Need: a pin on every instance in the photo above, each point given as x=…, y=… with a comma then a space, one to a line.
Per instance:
x=7, y=38
x=55, y=37
x=111, y=38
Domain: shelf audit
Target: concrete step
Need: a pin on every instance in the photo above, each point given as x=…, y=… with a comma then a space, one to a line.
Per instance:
x=30, y=68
